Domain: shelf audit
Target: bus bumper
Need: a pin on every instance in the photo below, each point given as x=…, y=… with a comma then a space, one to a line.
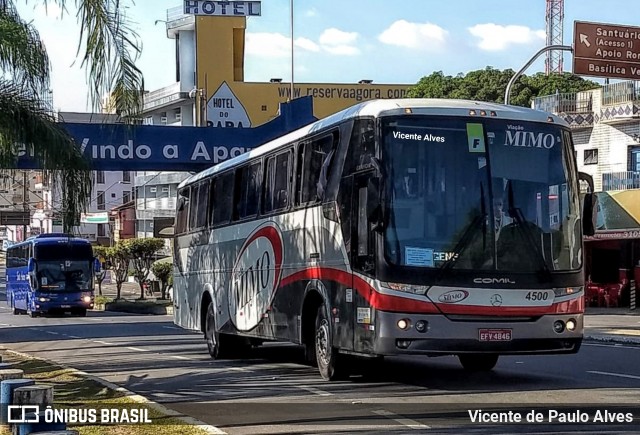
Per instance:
x=72, y=305
x=444, y=336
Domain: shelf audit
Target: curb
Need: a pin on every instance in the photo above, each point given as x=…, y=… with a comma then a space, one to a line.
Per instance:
x=131, y=395
x=158, y=310
x=604, y=338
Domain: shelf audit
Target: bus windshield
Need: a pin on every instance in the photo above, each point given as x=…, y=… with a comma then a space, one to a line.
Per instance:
x=480, y=194
x=64, y=266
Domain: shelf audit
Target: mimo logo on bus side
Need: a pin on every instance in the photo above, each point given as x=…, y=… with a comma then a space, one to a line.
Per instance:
x=255, y=276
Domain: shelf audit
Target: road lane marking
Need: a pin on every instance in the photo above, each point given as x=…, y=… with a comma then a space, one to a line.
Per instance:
x=137, y=349
x=314, y=390
x=180, y=357
x=171, y=327
x=400, y=419
x=617, y=345
x=51, y=332
x=619, y=375
x=104, y=342
x=73, y=336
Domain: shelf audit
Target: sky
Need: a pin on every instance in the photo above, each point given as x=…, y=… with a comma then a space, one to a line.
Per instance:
x=337, y=41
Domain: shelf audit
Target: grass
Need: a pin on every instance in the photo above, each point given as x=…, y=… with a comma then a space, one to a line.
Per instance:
x=73, y=390
x=103, y=300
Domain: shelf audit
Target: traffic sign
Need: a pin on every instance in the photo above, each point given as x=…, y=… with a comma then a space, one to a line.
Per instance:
x=606, y=50
x=10, y=217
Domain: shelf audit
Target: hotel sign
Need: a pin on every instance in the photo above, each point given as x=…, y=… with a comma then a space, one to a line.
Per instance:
x=222, y=8
x=606, y=50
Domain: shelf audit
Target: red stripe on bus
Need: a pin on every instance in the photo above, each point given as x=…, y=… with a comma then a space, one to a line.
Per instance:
x=399, y=304
x=376, y=299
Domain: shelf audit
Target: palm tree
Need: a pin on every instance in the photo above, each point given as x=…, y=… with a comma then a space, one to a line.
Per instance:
x=111, y=49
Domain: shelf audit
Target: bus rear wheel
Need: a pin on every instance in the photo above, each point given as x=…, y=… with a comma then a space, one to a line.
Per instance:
x=210, y=334
x=478, y=362
x=330, y=363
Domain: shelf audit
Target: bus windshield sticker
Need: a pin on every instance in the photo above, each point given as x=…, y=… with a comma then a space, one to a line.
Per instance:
x=349, y=295
x=475, y=137
x=363, y=315
x=418, y=256
x=482, y=162
x=44, y=280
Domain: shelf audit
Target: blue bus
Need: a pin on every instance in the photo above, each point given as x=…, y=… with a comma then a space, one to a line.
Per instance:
x=51, y=272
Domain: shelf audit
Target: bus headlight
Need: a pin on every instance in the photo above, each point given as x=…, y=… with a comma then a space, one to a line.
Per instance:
x=407, y=288
x=86, y=299
x=404, y=324
x=566, y=291
x=558, y=326
x=571, y=325
x=43, y=299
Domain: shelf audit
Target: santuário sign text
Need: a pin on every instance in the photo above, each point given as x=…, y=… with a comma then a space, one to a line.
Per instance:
x=222, y=8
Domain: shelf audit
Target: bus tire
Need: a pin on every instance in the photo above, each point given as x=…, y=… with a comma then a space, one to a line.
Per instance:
x=210, y=334
x=478, y=362
x=330, y=363
x=33, y=314
x=82, y=312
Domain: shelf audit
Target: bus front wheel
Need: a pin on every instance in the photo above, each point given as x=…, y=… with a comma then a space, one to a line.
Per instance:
x=210, y=334
x=330, y=363
x=479, y=362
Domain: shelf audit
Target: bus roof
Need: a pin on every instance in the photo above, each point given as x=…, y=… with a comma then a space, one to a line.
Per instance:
x=387, y=107
x=52, y=238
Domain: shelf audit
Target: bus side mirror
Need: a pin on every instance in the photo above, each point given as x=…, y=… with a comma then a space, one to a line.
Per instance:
x=31, y=266
x=96, y=265
x=373, y=204
x=589, y=214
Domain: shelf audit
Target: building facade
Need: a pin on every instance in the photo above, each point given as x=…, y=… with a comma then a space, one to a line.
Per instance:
x=605, y=125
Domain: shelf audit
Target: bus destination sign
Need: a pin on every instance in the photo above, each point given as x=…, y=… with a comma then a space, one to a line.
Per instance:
x=606, y=50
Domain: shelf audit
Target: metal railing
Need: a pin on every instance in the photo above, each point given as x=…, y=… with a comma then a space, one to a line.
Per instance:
x=565, y=103
x=621, y=92
x=621, y=180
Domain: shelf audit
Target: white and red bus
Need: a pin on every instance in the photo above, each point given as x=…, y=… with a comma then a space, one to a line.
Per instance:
x=395, y=227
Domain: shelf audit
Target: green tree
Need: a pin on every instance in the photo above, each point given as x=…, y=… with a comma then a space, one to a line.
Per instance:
x=117, y=259
x=100, y=252
x=110, y=51
x=163, y=271
x=142, y=253
x=489, y=84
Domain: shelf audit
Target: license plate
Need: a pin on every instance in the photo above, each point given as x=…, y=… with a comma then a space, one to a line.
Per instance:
x=65, y=306
x=494, y=334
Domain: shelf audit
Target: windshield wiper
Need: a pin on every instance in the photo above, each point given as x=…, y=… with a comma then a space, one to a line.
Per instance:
x=467, y=238
x=525, y=231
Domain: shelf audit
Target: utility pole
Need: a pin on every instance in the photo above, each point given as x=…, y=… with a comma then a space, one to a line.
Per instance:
x=25, y=204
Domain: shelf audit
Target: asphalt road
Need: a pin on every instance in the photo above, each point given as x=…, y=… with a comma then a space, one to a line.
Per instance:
x=273, y=391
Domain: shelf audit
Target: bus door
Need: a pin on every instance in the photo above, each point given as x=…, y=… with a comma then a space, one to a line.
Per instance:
x=362, y=263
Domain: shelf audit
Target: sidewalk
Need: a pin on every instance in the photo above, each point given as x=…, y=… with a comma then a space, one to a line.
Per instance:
x=615, y=325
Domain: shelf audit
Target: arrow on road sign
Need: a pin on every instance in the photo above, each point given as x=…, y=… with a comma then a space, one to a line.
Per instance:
x=585, y=40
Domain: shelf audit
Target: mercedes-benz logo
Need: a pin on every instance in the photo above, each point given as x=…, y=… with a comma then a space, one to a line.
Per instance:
x=496, y=300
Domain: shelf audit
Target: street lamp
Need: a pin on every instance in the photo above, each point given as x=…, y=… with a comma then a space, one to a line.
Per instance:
x=201, y=105
x=291, y=9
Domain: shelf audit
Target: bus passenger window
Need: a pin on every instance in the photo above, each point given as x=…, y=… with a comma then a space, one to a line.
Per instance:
x=316, y=158
x=193, y=207
x=203, y=200
x=249, y=191
x=222, y=199
x=182, y=214
x=276, y=192
x=361, y=147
